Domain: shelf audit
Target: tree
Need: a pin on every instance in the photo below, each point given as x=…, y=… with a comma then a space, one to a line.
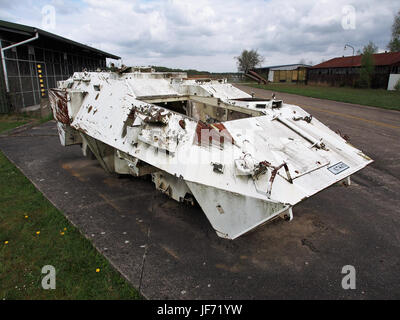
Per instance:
x=394, y=44
x=248, y=60
x=367, y=64
x=370, y=48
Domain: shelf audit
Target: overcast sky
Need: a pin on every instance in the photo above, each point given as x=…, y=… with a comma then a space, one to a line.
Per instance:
x=206, y=35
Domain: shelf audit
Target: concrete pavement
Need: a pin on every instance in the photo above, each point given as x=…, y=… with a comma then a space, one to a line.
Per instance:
x=169, y=250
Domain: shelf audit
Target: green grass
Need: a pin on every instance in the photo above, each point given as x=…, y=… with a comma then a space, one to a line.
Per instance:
x=11, y=121
x=8, y=125
x=370, y=97
x=46, y=118
x=25, y=211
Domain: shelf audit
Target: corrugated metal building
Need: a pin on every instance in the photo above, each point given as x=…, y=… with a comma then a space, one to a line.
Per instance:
x=345, y=71
x=33, y=60
x=285, y=73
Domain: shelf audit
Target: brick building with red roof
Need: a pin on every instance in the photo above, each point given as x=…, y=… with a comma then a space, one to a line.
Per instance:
x=345, y=71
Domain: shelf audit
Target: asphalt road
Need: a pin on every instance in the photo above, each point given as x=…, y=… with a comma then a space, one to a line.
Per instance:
x=169, y=250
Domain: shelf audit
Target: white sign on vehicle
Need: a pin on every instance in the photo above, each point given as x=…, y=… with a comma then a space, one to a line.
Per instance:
x=338, y=168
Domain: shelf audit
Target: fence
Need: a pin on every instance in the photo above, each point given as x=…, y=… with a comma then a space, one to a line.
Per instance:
x=31, y=71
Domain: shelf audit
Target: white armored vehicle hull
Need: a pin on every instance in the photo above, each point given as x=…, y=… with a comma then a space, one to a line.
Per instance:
x=244, y=160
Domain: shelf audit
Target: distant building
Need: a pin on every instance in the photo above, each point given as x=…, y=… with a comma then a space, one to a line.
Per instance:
x=285, y=73
x=33, y=60
x=345, y=71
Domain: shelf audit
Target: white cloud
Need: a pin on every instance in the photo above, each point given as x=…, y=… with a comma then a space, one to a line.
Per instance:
x=206, y=35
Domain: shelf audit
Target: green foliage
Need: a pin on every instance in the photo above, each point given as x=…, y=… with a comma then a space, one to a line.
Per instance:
x=367, y=65
x=188, y=71
x=248, y=59
x=232, y=76
x=394, y=44
x=370, y=48
x=47, y=118
x=365, y=79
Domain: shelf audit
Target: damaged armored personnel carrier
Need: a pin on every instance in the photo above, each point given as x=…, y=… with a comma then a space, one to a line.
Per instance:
x=244, y=160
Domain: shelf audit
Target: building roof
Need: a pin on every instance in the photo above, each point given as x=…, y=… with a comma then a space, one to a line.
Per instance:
x=381, y=59
x=287, y=66
x=23, y=29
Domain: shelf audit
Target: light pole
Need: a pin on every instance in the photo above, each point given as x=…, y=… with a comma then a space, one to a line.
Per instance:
x=347, y=45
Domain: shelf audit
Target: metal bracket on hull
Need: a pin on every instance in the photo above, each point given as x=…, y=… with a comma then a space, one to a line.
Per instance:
x=262, y=168
x=287, y=215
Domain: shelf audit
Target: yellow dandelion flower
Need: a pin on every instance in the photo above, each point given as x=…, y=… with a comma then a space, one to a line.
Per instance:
x=65, y=229
x=6, y=242
x=62, y=233
x=37, y=232
x=26, y=217
x=97, y=270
